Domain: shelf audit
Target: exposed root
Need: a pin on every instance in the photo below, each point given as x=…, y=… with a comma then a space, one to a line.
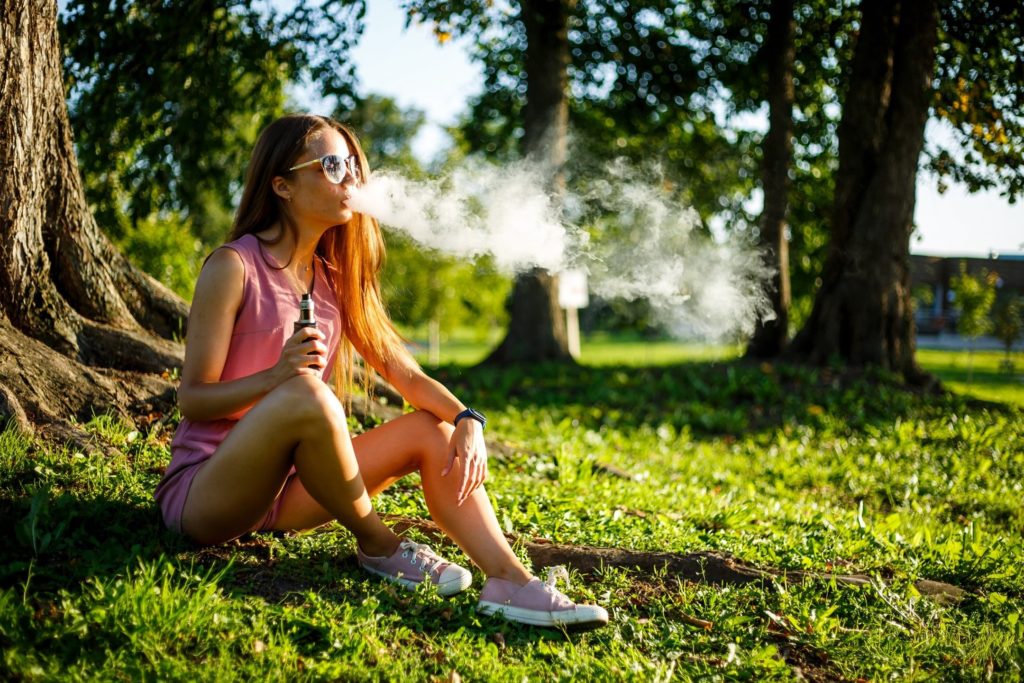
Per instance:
x=51, y=387
x=12, y=412
x=109, y=347
x=703, y=567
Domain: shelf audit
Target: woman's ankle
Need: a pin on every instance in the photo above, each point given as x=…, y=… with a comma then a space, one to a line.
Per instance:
x=383, y=545
x=517, y=575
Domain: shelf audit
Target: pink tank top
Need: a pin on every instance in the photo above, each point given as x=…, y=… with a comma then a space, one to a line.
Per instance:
x=264, y=323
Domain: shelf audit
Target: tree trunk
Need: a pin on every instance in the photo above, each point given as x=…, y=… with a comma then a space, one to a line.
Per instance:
x=770, y=337
x=81, y=330
x=862, y=313
x=536, y=329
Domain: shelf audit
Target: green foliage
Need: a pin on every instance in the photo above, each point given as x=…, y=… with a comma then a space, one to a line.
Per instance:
x=1008, y=320
x=166, y=248
x=980, y=96
x=781, y=466
x=422, y=286
x=166, y=100
x=386, y=132
x=975, y=294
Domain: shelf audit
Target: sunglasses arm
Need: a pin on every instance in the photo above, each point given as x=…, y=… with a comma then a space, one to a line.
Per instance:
x=304, y=165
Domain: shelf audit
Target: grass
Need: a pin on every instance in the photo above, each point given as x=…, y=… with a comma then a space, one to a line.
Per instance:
x=783, y=467
x=980, y=375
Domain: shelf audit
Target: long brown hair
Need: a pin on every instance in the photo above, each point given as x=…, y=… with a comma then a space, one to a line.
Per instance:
x=353, y=252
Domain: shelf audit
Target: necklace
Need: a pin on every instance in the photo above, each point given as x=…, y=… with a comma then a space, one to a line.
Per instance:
x=299, y=280
x=305, y=271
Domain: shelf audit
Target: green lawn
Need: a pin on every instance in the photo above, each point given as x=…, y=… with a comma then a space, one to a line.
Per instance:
x=979, y=374
x=783, y=467
x=986, y=380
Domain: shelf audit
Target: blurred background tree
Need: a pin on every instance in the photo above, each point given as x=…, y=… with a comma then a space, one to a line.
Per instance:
x=679, y=85
x=683, y=87
x=974, y=295
x=1008, y=324
x=166, y=100
x=428, y=294
x=913, y=61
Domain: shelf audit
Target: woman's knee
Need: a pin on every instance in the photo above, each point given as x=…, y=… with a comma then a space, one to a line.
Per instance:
x=435, y=435
x=308, y=399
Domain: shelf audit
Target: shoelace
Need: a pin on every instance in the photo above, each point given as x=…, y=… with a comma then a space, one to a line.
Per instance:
x=554, y=574
x=429, y=560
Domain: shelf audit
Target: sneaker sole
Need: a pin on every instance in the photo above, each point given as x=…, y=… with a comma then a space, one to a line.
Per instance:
x=450, y=587
x=593, y=617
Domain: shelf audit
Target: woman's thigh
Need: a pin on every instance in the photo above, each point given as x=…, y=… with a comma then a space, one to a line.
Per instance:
x=385, y=454
x=234, y=488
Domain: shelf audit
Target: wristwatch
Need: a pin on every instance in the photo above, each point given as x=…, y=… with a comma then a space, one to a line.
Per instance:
x=469, y=412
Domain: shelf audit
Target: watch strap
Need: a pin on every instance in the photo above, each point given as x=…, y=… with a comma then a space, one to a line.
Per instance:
x=470, y=413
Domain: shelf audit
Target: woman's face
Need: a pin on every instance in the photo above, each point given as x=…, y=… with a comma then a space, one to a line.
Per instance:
x=315, y=200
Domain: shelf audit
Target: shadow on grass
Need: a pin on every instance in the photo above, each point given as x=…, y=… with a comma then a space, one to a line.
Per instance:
x=56, y=542
x=710, y=399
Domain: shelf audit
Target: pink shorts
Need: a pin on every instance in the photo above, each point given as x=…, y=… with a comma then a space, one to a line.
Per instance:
x=172, y=492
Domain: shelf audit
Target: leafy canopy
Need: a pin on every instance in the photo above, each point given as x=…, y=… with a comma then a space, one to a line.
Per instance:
x=166, y=97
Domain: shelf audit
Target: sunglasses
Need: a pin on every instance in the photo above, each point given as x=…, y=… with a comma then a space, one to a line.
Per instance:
x=336, y=167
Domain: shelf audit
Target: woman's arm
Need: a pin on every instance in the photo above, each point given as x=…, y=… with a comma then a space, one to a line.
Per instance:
x=218, y=296
x=421, y=390
x=467, y=442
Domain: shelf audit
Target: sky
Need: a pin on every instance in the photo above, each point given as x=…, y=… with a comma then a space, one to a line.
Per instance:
x=410, y=66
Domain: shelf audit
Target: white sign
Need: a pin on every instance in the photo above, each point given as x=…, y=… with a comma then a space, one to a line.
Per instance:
x=572, y=289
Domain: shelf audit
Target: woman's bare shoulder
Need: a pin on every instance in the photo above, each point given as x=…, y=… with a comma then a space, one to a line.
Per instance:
x=222, y=274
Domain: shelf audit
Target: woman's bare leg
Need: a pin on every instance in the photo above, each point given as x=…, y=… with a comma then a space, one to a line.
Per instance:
x=300, y=422
x=418, y=442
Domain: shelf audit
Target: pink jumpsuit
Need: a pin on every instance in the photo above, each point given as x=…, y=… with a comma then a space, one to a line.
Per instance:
x=269, y=308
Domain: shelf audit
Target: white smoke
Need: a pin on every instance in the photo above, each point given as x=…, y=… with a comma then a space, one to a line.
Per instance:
x=478, y=209
x=624, y=230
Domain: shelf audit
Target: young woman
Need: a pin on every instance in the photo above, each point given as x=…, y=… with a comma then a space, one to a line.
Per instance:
x=263, y=443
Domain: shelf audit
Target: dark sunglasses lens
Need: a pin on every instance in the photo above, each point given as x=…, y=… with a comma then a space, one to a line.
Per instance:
x=334, y=168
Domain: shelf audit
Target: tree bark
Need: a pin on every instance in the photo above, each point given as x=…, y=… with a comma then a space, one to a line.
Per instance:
x=536, y=329
x=770, y=337
x=81, y=329
x=862, y=312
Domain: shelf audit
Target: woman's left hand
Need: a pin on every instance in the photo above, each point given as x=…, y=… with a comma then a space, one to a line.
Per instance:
x=467, y=445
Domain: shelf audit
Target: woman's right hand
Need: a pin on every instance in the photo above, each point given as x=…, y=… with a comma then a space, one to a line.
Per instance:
x=303, y=354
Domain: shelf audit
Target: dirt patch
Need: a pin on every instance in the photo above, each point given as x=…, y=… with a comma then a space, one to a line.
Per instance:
x=809, y=663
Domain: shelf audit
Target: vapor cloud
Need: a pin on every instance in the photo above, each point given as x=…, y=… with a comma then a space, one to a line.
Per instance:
x=624, y=230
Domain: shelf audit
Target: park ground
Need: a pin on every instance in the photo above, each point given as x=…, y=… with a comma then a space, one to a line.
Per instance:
x=653, y=446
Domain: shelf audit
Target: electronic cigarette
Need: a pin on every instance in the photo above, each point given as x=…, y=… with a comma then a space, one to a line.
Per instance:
x=307, y=316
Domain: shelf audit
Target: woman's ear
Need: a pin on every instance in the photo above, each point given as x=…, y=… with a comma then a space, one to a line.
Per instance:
x=281, y=188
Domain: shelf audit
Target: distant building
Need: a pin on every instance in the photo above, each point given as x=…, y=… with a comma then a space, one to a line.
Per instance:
x=937, y=313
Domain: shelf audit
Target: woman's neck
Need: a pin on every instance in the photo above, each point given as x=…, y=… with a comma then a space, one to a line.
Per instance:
x=299, y=252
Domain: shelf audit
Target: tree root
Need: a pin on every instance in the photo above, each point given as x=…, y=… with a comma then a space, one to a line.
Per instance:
x=104, y=346
x=717, y=568
x=381, y=388
x=51, y=387
x=11, y=411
